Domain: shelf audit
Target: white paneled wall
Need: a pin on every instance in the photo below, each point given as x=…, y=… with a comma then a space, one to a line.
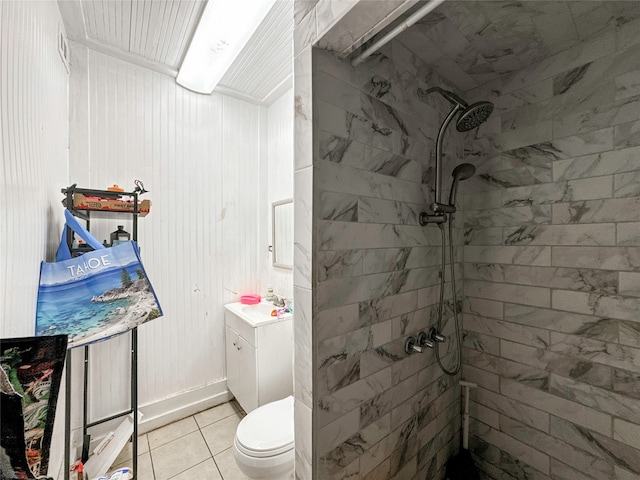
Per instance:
x=280, y=178
x=204, y=160
x=33, y=155
x=34, y=89
x=199, y=156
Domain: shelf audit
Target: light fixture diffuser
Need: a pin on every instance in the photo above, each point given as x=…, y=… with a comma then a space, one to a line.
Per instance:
x=224, y=29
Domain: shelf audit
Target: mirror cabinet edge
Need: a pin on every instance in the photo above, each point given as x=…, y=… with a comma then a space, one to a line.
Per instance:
x=274, y=243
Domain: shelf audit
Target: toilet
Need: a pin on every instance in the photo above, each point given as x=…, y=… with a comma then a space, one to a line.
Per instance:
x=263, y=446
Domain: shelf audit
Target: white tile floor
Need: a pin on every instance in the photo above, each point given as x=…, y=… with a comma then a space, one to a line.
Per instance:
x=197, y=447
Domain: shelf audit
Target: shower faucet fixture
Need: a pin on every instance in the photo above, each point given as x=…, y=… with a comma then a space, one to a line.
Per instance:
x=469, y=117
x=411, y=346
x=417, y=344
x=424, y=341
x=472, y=115
x=435, y=336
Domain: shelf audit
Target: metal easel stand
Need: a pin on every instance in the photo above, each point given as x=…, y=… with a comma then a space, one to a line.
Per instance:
x=133, y=411
x=124, y=431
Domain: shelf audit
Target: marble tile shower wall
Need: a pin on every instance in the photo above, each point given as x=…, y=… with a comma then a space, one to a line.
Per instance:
x=380, y=413
x=552, y=267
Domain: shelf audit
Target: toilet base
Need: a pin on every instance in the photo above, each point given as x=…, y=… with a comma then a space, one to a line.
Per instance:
x=278, y=467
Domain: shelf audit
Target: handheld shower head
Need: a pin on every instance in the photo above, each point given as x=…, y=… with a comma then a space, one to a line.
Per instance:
x=474, y=115
x=461, y=172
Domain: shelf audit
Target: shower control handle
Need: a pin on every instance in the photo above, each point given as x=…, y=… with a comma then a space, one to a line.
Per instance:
x=423, y=340
x=436, y=336
x=411, y=346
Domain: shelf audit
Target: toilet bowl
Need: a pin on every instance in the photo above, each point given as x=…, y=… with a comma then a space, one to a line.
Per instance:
x=263, y=446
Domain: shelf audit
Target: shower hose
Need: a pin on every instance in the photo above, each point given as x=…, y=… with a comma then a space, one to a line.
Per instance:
x=455, y=302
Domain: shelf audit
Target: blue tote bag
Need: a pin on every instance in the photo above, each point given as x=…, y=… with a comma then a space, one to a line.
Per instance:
x=95, y=296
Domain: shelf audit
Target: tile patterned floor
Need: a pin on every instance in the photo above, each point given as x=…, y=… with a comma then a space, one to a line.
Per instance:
x=197, y=447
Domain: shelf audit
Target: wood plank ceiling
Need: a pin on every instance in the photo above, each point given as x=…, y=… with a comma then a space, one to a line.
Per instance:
x=156, y=34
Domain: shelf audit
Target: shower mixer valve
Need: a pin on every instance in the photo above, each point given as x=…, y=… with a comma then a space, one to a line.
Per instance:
x=411, y=346
x=417, y=345
x=423, y=340
x=435, y=336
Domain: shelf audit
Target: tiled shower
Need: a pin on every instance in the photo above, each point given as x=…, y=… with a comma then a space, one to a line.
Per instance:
x=377, y=271
x=551, y=265
x=548, y=236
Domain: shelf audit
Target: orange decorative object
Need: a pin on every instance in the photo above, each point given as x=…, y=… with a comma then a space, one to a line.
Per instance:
x=115, y=188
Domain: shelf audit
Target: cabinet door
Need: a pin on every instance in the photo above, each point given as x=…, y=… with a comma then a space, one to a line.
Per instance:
x=241, y=370
x=233, y=374
x=275, y=361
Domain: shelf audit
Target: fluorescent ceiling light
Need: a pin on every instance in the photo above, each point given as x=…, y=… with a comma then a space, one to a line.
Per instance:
x=224, y=29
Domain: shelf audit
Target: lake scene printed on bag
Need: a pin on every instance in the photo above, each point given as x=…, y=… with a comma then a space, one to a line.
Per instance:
x=95, y=296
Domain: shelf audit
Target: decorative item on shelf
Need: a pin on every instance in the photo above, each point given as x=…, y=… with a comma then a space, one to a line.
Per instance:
x=139, y=187
x=119, y=236
x=80, y=247
x=115, y=188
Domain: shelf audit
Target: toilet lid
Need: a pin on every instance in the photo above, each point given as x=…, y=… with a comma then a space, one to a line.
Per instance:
x=268, y=430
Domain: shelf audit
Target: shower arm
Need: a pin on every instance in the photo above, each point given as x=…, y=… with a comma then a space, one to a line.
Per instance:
x=437, y=206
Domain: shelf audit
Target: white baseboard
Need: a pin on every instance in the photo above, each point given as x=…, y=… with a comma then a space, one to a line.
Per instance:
x=182, y=405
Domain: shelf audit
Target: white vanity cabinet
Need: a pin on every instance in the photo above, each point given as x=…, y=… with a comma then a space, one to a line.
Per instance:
x=259, y=355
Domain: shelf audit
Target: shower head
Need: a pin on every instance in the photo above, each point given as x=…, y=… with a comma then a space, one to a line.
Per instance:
x=471, y=115
x=474, y=115
x=461, y=172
